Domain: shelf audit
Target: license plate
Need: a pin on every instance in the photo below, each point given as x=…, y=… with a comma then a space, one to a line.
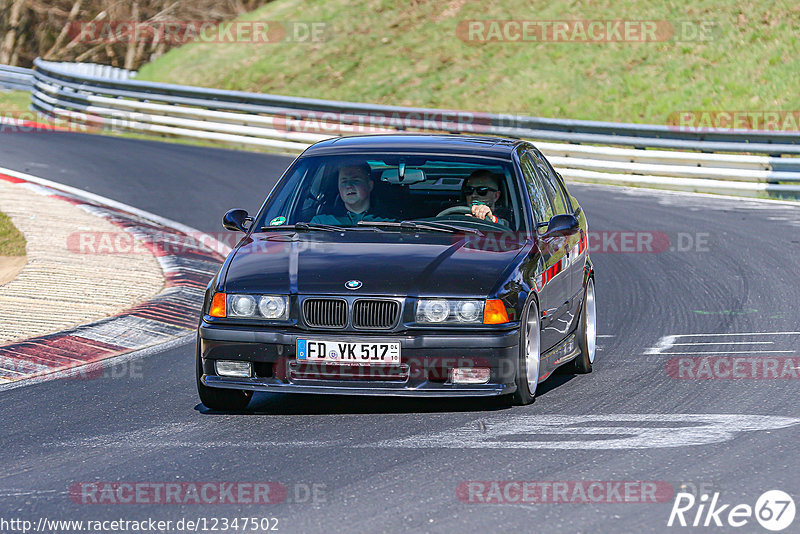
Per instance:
x=348, y=353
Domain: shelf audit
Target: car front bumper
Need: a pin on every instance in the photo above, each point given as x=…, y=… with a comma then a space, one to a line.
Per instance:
x=426, y=361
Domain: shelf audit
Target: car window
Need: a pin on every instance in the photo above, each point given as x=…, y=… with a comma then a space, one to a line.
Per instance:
x=432, y=187
x=561, y=187
x=283, y=198
x=559, y=183
x=541, y=201
x=554, y=190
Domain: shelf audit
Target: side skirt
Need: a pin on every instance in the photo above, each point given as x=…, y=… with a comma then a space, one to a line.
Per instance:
x=563, y=352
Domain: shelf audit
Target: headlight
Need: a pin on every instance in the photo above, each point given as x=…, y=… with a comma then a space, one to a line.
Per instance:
x=242, y=305
x=469, y=311
x=433, y=311
x=258, y=306
x=272, y=307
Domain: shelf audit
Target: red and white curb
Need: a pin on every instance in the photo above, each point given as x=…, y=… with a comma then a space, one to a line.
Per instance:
x=163, y=319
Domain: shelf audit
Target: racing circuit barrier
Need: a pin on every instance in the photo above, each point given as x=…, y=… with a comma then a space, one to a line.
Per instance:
x=21, y=79
x=16, y=78
x=653, y=155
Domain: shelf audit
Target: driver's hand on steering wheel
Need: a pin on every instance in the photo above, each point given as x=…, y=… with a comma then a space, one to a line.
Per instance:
x=482, y=211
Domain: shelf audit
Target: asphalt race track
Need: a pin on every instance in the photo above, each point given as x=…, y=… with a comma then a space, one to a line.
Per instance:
x=721, y=278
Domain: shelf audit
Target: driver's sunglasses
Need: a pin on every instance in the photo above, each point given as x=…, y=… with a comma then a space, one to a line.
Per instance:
x=481, y=190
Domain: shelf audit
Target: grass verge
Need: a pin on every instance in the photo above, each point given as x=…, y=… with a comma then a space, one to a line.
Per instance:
x=14, y=102
x=12, y=242
x=386, y=52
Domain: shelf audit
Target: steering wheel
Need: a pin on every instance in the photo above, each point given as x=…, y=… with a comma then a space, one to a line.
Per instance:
x=455, y=210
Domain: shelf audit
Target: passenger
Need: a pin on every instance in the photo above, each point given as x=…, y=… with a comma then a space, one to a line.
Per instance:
x=482, y=191
x=355, y=187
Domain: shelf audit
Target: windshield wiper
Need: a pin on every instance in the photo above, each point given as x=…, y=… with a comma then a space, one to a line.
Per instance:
x=445, y=226
x=305, y=227
x=411, y=225
x=318, y=226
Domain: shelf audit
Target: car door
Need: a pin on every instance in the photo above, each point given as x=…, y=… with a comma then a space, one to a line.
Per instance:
x=574, y=257
x=578, y=251
x=549, y=279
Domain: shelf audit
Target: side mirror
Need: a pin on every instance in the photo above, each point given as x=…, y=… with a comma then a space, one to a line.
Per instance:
x=235, y=220
x=562, y=225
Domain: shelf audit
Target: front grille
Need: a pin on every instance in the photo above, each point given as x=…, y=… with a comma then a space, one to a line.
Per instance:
x=375, y=314
x=325, y=313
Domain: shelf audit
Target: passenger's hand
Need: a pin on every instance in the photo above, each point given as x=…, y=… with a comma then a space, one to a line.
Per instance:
x=482, y=211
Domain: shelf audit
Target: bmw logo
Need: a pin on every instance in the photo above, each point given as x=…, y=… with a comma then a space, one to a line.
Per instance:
x=353, y=284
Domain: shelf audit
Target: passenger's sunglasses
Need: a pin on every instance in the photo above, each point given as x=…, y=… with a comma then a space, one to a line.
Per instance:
x=481, y=190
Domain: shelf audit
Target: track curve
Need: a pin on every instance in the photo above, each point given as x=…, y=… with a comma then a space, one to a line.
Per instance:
x=393, y=465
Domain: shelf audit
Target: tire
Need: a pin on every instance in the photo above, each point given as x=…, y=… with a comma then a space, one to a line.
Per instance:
x=527, y=377
x=587, y=333
x=218, y=399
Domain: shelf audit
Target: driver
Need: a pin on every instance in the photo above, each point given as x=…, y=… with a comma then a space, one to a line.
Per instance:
x=355, y=186
x=482, y=191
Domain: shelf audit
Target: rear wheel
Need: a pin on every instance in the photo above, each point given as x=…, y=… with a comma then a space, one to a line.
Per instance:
x=587, y=333
x=224, y=400
x=529, y=353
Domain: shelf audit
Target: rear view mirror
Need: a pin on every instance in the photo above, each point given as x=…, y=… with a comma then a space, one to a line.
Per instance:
x=235, y=219
x=410, y=176
x=562, y=225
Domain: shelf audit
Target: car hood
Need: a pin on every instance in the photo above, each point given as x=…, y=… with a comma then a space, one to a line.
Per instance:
x=386, y=263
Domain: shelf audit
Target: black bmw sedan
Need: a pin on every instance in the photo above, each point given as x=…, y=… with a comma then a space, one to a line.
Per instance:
x=414, y=265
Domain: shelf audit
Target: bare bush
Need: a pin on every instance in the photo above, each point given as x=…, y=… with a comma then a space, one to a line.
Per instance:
x=42, y=28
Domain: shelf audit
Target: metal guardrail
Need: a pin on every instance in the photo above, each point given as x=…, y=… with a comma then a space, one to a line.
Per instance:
x=108, y=99
x=16, y=78
x=95, y=70
x=640, y=135
x=22, y=79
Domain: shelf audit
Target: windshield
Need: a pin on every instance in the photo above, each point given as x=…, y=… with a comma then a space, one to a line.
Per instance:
x=356, y=190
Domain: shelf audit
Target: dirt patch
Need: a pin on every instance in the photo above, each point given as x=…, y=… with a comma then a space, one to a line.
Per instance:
x=10, y=266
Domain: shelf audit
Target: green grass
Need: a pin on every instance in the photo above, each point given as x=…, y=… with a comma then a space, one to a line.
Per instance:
x=12, y=242
x=386, y=52
x=16, y=105
x=13, y=102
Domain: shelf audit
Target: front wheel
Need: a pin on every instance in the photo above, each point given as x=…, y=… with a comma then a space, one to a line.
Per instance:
x=223, y=400
x=529, y=356
x=587, y=333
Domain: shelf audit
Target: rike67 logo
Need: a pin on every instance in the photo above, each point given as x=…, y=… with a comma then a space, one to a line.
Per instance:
x=774, y=510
